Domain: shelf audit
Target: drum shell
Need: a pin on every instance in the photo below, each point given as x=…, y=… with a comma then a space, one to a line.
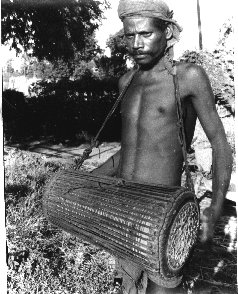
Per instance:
x=129, y=219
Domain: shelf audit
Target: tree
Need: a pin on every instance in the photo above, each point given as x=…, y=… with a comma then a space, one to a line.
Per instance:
x=219, y=66
x=9, y=68
x=52, y=29
x=115, y=65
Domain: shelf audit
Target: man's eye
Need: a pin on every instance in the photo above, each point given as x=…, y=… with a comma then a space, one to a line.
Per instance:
x=129, y=36
x=147, y=34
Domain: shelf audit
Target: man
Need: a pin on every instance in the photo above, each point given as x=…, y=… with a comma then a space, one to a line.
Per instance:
x=150, y=148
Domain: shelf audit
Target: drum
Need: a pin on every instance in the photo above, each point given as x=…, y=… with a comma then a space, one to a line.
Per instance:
x=153, y=226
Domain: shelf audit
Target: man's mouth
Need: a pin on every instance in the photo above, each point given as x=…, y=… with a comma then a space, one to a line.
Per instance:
x=139, y=56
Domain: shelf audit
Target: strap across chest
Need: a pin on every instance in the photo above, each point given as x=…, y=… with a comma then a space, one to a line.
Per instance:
x=180, y=124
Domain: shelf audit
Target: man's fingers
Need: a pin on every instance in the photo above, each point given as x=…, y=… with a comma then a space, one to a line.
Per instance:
x=140, y=286
x=204, y=232
x=143, y=283
x=207, y=229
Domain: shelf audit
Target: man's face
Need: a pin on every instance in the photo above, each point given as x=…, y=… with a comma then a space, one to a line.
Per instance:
x=145, y=41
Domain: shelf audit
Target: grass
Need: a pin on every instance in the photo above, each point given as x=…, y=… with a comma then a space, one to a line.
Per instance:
x=43, y=259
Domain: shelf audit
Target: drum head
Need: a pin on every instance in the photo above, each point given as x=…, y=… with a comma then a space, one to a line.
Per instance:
x=179, y=236
x=182, y=236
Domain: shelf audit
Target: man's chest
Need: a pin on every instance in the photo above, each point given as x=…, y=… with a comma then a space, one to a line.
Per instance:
x=149, y=100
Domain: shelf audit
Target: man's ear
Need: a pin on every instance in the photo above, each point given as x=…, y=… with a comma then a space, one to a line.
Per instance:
x=169, y=33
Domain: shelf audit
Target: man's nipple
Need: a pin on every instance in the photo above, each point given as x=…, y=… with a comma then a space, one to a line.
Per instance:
x=161, y=109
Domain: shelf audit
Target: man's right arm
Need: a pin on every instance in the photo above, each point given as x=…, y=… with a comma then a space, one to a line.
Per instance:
x=110, y=167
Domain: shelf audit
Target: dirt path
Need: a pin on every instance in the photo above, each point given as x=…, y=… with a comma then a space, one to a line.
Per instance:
x=64, y=153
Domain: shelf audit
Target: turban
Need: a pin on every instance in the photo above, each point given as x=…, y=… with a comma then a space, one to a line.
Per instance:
x=154, y=9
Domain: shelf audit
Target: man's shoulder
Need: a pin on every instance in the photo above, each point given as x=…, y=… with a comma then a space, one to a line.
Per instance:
x=194, y=81
x=190, y=71
x=125, y=78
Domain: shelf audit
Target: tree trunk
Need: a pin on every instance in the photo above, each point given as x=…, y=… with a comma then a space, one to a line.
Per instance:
x=199, y=26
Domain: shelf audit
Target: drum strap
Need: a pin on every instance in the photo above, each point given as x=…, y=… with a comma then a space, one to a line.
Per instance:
x=181, y=131
x=94, y=142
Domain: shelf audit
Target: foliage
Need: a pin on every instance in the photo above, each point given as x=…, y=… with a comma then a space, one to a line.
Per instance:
x=74, y=106
x=12, y=101
x=46, y=71
x=52, y=29
x=209, y=63
x=115, y=65
x=72, y=96
x=9, y=68
x=100, y=66
x=223, y=87
x=224, y=54
x=64, y=109
x=42, y=259
x=219, y=66
x=14, y=113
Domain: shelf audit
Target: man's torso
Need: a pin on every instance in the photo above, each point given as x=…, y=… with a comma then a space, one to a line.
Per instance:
x=151, y=151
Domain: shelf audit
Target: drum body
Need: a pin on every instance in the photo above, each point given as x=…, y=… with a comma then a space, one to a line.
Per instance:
x=153, y=226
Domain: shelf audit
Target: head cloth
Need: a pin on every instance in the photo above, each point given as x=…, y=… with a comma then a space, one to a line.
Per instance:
x=154, y=9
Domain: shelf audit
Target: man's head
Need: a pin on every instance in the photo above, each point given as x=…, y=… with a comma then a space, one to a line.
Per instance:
x=156, y=15
x=146, y=39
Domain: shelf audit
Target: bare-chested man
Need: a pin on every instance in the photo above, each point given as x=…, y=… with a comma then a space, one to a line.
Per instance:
x=150, y=148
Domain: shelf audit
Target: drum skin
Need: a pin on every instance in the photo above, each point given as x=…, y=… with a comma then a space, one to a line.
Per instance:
x=153, y=226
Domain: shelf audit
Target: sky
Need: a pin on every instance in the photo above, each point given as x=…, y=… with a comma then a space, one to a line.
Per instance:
x=213, y=14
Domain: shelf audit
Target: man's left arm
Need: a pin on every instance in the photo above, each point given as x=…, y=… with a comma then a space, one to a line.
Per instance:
x=204, y=104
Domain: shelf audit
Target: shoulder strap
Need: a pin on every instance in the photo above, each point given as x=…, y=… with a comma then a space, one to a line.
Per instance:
x=87, y=151
x=180, y=124
x=181, y=130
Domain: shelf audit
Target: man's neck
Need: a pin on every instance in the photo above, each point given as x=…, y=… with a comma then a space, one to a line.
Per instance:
x=157, y=66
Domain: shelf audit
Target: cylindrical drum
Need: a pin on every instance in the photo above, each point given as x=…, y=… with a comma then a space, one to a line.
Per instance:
x=154, y=226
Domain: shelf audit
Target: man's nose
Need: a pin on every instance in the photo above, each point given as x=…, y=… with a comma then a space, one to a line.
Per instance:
x=137, y=42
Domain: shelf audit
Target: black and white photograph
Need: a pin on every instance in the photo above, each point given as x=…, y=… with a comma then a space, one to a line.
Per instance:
x=118, y=147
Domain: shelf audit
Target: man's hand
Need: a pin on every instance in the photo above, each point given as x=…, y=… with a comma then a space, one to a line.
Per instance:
x=142, y=283
x=138, y=287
